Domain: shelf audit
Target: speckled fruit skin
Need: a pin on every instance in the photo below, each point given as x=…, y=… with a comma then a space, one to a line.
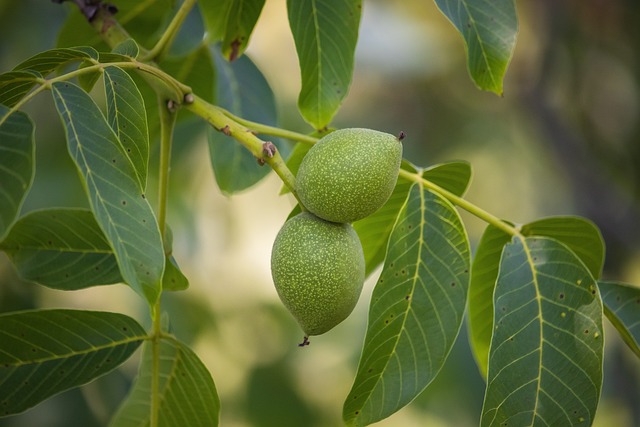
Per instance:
x=318, y=271
x=349, y=174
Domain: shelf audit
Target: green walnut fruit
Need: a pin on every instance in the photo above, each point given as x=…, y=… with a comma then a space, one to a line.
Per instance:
x=349, y=174
x=318, y=271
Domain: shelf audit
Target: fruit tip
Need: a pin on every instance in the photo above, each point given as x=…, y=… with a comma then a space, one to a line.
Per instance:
x=401, y=135
x=304, y=342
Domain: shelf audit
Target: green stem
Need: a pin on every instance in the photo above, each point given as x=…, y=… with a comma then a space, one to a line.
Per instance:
x=462, y=203
x=222, y=122
x=167, y=123
x=161, y=81
x=162, y=47
x=272, y=130
x=110, y=29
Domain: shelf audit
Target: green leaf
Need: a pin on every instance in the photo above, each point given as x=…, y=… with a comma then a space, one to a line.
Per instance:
x=128, y=48
x=186, y=392
x=87, y=80
x=325, y=34
x=416, y=308
x=173, y=279
x=484, y=273
x=243, y=90
x=121, y=210
x=452, y=176
x=62, y=249
x=293, y=162
x=374, y=230
x=242, y=17
x=128, y=119
x=45, y=352
x=196, y=70
x=17, y=158
x=545, y=361
x=622, y=307
x=581, y=236
x=489, y=29
x=46, y=62
x=216, y=14
x=14, y=85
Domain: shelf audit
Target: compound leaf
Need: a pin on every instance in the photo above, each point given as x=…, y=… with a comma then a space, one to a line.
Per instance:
x=121, y=210
x=62, y=249
x=325, y=34
x=17, y=157
x=545, y=359
x=622, y=308
x=186, y=391
x=416, y=308
x=45, y=352
x=489, y=29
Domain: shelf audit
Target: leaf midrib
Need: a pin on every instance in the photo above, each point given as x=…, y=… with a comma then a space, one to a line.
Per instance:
x=99, y=198
x=536, y=284
x=484, y=55
x=89, y=350
x=414, y=281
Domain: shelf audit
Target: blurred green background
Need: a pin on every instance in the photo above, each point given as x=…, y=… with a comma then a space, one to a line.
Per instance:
x=564, y=139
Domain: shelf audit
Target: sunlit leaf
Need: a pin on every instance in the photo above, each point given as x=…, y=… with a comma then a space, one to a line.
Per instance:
x=62, y=249
x=622, y=307
x=17, y=157
x=121, y=210
x=484, y=273
x=186, y=393
x=581, y=236
x=128, y=119
x=325, y=34
x=545, y=360
x=489, y=29
x=45, y=352
x=243, y=90
x=416, y=308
